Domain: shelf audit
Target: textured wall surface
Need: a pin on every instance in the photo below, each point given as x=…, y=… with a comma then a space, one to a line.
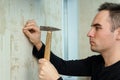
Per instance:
x=16, y=60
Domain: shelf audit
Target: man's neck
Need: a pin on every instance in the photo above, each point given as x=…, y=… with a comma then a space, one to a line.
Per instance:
x=111, y=58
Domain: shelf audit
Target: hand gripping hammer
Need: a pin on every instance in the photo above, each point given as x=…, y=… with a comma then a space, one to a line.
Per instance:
x=48, y=39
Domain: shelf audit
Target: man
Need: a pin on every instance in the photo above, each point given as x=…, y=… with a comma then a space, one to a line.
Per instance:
x=104, y=37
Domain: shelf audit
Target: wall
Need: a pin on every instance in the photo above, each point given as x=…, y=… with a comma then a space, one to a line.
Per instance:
x=16, y=60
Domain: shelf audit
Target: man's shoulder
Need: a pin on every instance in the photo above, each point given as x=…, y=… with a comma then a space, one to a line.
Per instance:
x=96, y=58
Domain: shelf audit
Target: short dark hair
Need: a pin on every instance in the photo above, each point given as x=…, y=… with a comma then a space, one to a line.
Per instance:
x=114, y=10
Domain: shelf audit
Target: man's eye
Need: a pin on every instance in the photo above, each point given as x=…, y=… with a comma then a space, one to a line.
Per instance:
x=97, y=28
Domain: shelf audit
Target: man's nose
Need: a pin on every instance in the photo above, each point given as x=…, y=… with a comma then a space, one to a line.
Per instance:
x=91, y=33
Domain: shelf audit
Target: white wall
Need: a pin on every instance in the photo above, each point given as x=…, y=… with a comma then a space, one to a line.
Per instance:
x=16, y=60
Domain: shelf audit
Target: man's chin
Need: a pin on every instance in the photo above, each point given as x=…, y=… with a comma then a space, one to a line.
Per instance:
x=93, y=50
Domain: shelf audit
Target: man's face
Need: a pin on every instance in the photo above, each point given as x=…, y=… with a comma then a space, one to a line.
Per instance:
x=100, y=35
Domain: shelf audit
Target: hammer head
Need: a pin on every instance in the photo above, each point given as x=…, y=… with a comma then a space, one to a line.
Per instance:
x=48, y=28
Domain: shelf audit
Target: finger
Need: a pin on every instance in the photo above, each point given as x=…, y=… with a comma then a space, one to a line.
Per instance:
x=42, y=60
x=27, y=33
x=41, y=72
x=32, y=28
x=29, y=28
x=40, y=77
x=41, y=69
x=30, y=23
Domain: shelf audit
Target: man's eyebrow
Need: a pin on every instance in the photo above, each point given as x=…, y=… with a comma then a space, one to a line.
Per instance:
x=93, y=25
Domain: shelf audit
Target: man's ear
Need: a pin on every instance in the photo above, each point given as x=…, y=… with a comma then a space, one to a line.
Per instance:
x=118, y=34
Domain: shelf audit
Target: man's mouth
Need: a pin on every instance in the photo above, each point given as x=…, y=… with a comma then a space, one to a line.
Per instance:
x=92, y=43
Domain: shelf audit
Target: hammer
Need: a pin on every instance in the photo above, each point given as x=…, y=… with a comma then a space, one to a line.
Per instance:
x=48, y=39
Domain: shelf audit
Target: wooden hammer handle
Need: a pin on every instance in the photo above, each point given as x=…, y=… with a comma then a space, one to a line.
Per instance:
x=48, y=45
